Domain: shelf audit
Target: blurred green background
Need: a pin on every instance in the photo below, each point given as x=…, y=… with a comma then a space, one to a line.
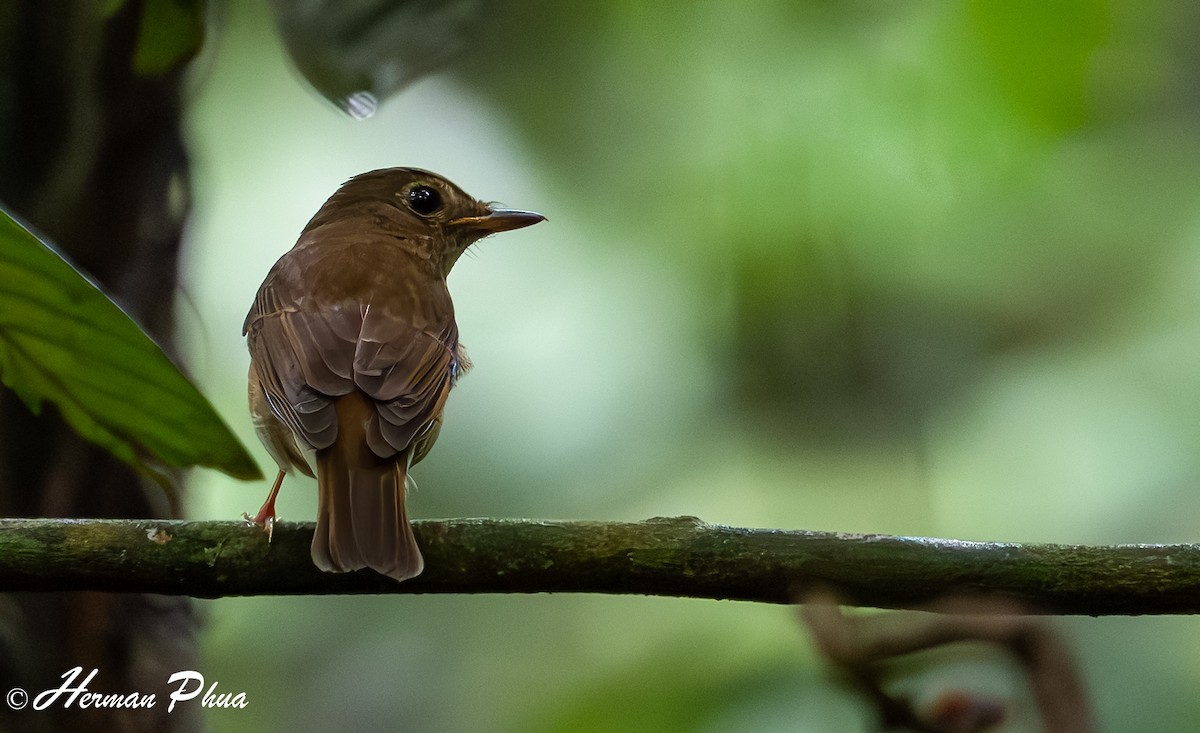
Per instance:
x=917, y=268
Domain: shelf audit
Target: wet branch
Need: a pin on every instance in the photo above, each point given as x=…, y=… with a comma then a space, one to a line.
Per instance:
x=680, y=556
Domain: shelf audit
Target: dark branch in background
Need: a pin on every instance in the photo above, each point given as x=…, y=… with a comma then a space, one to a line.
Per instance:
x=864, y=646
x=681, y=557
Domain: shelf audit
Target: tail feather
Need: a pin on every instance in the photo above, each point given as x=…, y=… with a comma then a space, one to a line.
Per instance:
x=361, y=521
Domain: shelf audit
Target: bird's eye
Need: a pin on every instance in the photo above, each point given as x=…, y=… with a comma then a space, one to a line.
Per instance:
x=424, y=200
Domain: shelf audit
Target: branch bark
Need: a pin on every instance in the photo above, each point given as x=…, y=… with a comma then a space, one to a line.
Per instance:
x=680, y=556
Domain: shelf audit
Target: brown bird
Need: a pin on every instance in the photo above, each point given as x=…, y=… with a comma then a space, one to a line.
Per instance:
x=353, y=351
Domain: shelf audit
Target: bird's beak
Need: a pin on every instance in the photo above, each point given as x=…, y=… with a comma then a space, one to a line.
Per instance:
x=498, y=220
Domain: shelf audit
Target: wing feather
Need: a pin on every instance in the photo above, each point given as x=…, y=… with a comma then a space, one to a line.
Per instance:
x=305, y=359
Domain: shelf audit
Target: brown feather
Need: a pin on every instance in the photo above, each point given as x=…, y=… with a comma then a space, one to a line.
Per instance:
x=279, y=440
x=354, y=350
x=361, y=521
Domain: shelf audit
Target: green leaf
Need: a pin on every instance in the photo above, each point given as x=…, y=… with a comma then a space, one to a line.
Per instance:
x=63, y=340
x=171, y=33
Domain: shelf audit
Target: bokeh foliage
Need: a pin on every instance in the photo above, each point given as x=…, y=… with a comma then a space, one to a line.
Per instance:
x=920, y=268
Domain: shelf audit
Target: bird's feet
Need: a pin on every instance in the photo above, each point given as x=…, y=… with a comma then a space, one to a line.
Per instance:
x=265, y=519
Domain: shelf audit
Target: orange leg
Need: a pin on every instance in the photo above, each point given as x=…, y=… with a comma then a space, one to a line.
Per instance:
x=266, y=515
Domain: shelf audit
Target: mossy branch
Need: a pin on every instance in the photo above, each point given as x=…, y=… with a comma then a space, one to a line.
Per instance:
x=681, y=557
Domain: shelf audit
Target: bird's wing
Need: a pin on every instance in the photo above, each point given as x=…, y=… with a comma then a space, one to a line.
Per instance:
x=306, y=359
x=409, y=372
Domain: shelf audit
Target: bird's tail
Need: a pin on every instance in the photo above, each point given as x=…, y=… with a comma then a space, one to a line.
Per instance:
x=360, y=518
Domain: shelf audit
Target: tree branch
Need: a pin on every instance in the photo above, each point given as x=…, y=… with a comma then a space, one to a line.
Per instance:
x=665, y=556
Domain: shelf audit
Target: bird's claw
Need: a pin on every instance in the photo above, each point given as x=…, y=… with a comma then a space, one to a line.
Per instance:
x=265, y=523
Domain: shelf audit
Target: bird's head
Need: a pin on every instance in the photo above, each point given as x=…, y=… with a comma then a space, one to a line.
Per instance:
x=429, y=213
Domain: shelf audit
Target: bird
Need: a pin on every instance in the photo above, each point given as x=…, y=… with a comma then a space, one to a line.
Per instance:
x=354, y=350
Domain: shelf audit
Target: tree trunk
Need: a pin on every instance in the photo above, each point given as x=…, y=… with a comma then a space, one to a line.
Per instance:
x=92, y=157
